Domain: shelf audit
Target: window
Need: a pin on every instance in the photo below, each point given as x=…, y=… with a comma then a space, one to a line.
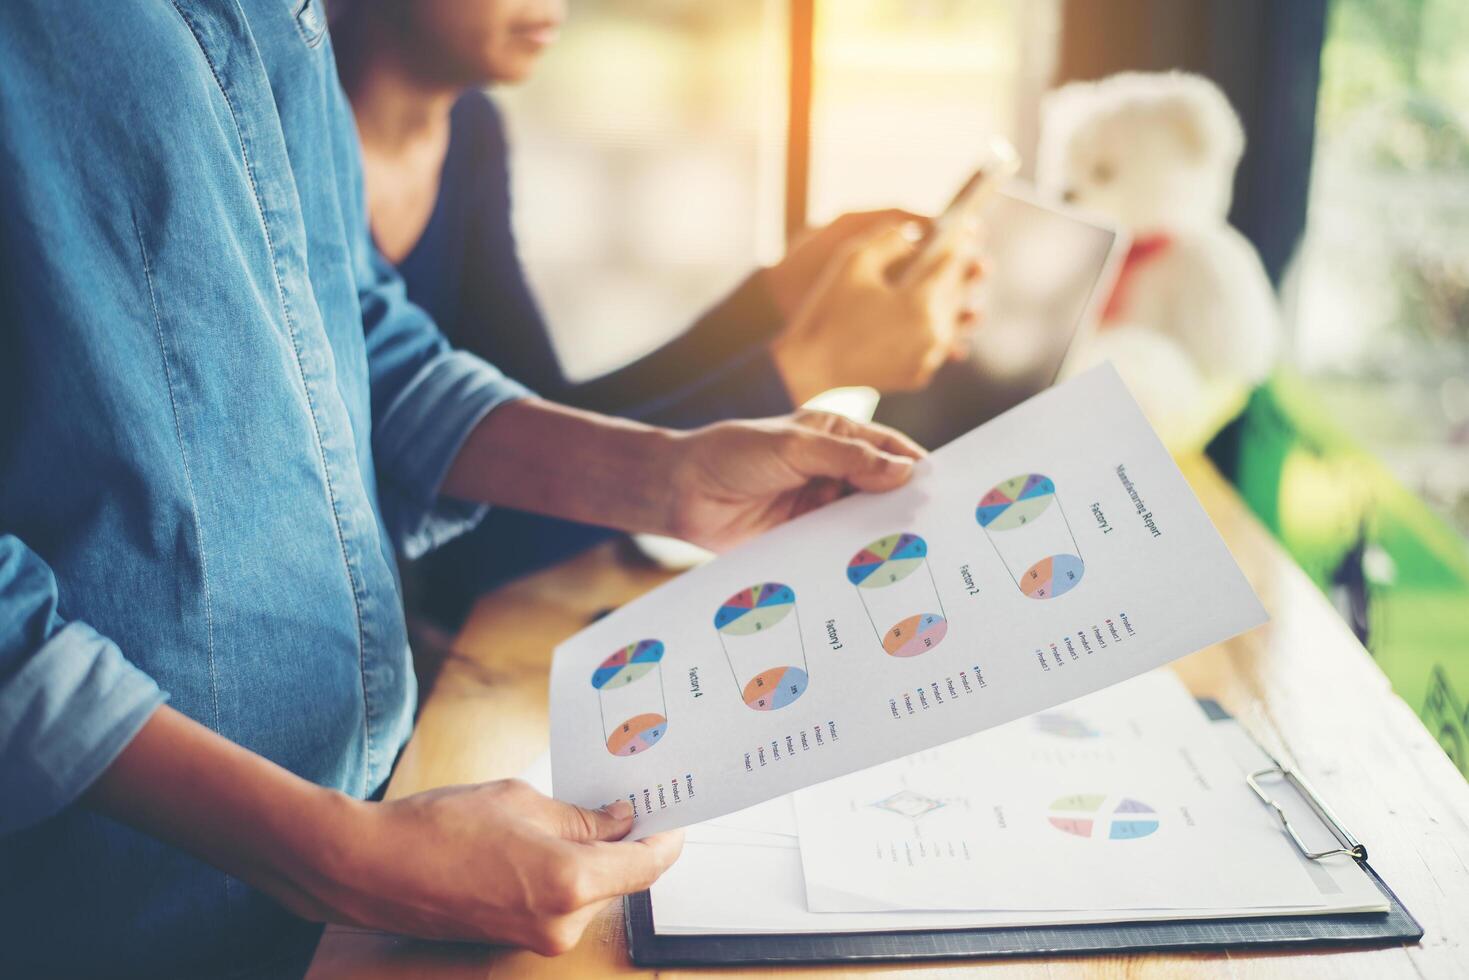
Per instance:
x=647, y=156
x=649, y=151
x=906, y=94
x=1379, y=297
x=1358, y=458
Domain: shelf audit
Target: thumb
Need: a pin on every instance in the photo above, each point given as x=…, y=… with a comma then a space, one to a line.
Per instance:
x=611, y=822
x=853, y=461
x=860, y=223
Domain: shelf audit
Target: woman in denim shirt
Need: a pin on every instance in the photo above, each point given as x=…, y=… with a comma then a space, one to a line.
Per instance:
x=220, y=422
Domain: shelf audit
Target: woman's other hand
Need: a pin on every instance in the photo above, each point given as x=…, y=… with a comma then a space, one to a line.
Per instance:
x=496, y=862
x=854, y=323
x=792, y=279
x=732, y=480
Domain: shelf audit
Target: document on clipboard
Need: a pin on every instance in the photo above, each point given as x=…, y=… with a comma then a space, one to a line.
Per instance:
x=1051, y=552
x=1150, y=762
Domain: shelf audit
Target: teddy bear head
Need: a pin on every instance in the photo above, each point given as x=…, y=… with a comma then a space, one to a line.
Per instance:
x=1152, y=151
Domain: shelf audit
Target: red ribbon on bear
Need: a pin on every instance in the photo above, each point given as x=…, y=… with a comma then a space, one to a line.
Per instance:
x=1143, y=250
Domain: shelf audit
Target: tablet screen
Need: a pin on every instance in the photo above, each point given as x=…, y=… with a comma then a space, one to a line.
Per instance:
x=1048, y=271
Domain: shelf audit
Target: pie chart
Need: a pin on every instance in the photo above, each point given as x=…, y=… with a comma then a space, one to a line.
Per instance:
x=775, y=688
x=627, y=665
x=637, y=734
x=915, y=635
x=1053, y=576
x=1015, y=502
x=887, y=560
x=754, y=609
x=1098, y=816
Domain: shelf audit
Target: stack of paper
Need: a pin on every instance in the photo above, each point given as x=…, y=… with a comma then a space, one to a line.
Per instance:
x=1051, y=552
x=1048, y=554
x=1125, y=805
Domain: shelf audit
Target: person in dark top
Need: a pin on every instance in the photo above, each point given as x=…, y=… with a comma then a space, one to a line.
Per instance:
x=436, y=162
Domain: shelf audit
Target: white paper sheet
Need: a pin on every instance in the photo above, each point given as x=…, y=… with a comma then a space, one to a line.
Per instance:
x=773, y=818
x=1051, y=552
x=1123, y=800
x=728, y=889
x=724, y=884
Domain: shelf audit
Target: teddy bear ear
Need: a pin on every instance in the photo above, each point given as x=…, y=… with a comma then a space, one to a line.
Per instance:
x=1202, y=117
x=1068, y=104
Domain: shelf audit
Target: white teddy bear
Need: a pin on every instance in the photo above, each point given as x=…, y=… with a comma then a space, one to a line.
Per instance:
x=1192, y=323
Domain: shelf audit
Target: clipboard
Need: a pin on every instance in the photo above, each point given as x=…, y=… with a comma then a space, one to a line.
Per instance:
x=1393, y=927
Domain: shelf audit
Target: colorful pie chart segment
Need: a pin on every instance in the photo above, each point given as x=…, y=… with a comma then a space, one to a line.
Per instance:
x=754, y=609
x=1015, y=502
x=637, y=734
x=775, y=688
x=915, y=635
x=887, y=560
x=1053, y=576
x=1088, y=815
x=627, y=665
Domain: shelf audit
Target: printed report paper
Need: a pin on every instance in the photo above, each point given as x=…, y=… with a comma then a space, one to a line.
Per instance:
x=1127, y=799
x=1051, y=552
x=930, y=807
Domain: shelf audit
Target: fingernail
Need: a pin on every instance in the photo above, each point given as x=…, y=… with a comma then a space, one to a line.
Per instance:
x=618, y=810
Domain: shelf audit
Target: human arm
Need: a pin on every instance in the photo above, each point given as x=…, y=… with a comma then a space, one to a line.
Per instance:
x=69, y=699
x=426, y=399
x=740, y=359
x=452, y=434
x=462, y=441
x=466, y=269
x=852, y=323
x=494, y=862
x=827, y=315
x=719, y=368
x=714, y=486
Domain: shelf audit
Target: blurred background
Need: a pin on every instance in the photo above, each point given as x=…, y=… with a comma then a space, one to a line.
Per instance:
x=646, y=102
x=752, y=119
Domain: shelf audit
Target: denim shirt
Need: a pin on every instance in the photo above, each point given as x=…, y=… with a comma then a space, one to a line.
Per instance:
x=219, y=420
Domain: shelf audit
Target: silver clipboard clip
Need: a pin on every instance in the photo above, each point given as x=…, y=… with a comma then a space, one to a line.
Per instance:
x=1349, y=845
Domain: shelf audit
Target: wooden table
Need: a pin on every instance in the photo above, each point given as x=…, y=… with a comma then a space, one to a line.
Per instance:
x=1302, y=682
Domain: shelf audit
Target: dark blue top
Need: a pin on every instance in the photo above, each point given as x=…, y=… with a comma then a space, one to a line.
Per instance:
x=465, y=271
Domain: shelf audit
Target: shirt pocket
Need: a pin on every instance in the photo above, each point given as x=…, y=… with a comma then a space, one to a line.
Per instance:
x=310, y=20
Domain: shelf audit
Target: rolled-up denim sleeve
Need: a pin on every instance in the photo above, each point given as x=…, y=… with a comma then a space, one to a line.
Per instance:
x=69, y=700
x=426, y=398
